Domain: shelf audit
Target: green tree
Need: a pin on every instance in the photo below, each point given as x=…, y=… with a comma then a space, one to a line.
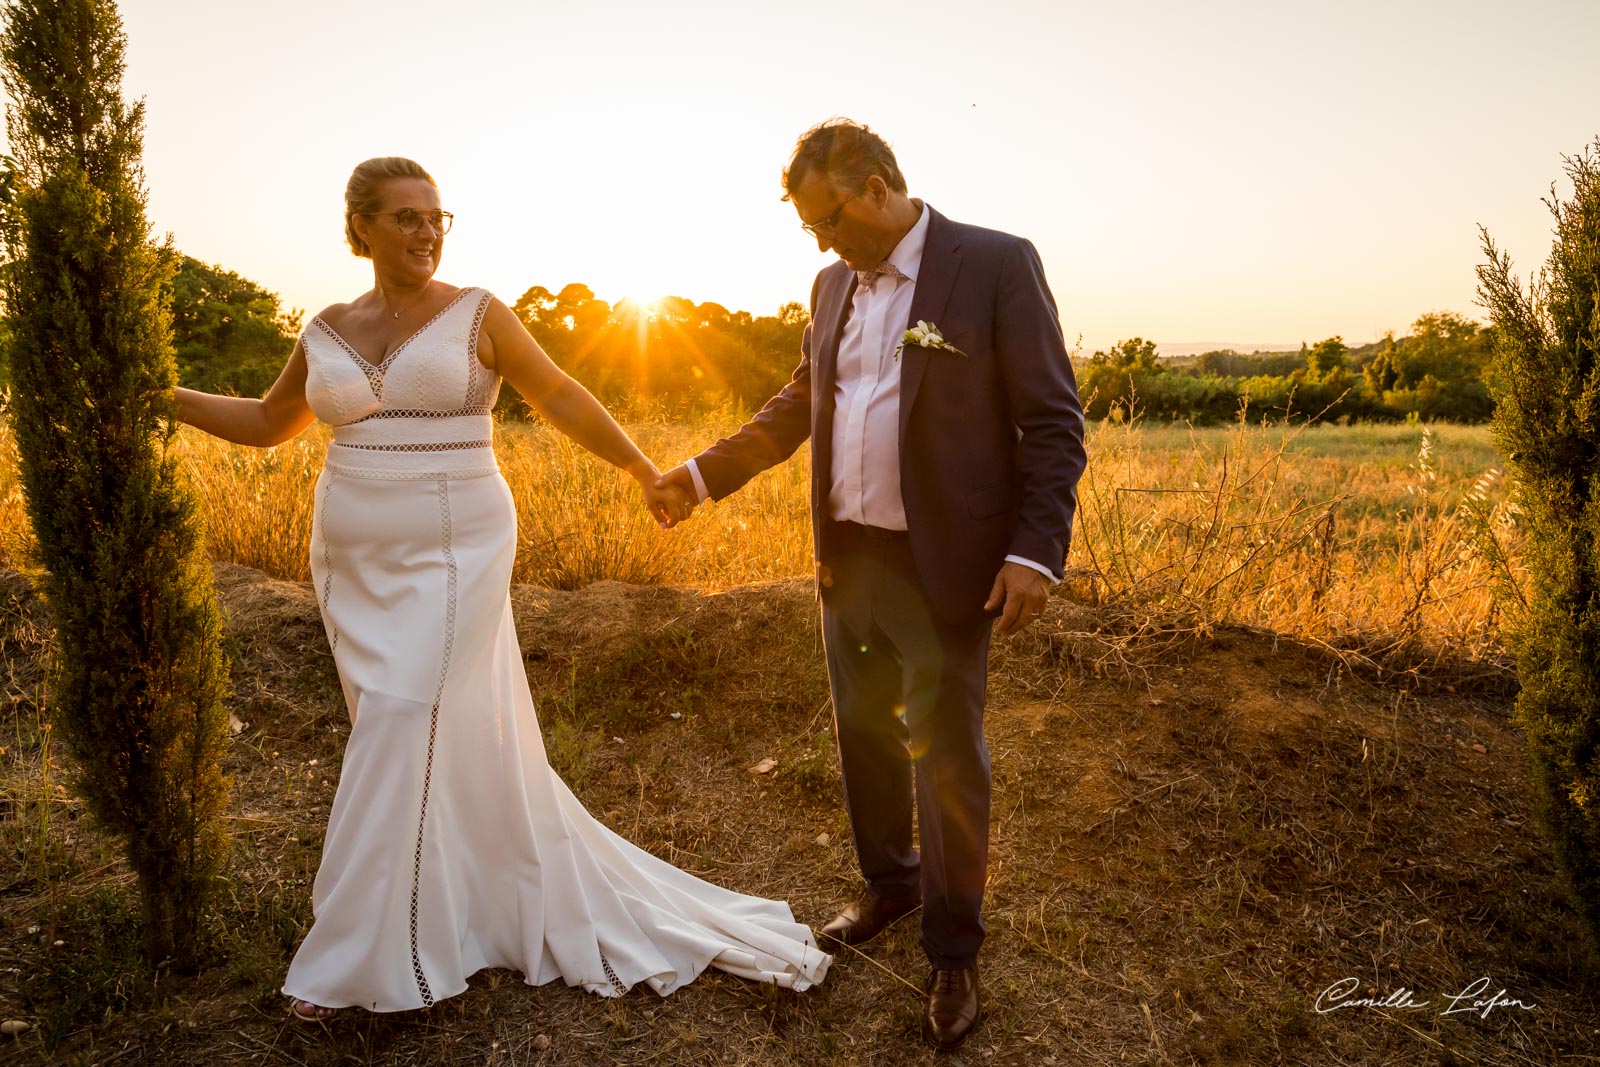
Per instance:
x=1547, y=422
x=1226, y=363
x=230, y=335
x=1326, y=358
x=1219, y=362
x=1438, y=371
x=138, y=672
x=1384, y=370
x=672, y=356
x=1116, y=380
x=1135, y=354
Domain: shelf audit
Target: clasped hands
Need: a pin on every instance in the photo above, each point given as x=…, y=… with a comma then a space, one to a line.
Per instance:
x=669, y=498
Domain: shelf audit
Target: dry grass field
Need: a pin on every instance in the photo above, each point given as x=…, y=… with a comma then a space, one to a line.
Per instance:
x=1369, y=539
x=1259, y=744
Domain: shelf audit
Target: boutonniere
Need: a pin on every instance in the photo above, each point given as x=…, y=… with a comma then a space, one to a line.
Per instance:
x=926, y=335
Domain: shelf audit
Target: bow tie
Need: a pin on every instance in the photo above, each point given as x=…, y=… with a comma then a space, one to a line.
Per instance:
x=884, y=269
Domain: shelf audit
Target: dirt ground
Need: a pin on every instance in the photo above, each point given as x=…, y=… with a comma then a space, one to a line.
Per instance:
x=1195, y=849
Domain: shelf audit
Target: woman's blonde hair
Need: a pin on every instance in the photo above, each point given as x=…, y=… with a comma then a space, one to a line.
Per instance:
x=362, y=192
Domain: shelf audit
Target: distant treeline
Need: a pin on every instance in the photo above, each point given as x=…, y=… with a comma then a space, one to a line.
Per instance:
x=673, y=356
x=677, y=357
x=1438, y=371
x=231, y=335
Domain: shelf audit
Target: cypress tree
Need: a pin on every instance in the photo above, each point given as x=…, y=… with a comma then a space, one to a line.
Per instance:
x=138, y=675
x=1546, y=385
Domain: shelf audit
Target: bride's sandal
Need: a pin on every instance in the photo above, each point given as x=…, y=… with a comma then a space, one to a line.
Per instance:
x=308, y=1012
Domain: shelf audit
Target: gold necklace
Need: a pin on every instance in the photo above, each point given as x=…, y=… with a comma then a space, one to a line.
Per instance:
x=412, y=303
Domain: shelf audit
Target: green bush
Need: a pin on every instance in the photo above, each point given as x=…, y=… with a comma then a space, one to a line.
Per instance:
x=231, y=336
x=1547, y=423
x=138, y=674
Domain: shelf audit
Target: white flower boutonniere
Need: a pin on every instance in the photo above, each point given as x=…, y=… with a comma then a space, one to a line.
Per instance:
x=926, y=335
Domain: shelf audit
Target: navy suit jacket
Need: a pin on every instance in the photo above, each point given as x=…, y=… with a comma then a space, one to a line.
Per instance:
x=991, y=442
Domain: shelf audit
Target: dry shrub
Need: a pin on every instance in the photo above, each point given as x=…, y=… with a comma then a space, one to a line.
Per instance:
x=763, y=532
x=257, y=502
x=1381, y=562
x=580, y=520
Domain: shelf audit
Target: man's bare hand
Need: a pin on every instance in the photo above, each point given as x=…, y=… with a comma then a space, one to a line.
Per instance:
x=666, y=503
x=1023, y=591
x=680, y=483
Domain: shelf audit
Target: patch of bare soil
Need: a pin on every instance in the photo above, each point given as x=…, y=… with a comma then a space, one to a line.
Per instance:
x=1187, y=853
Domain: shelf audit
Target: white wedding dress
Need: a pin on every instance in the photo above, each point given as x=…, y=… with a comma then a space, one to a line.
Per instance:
x=452, y=846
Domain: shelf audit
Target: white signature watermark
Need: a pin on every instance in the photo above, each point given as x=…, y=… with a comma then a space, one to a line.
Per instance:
x=1475, y=999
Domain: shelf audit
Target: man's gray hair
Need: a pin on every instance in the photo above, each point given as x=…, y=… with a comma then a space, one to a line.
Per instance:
x=846, y=152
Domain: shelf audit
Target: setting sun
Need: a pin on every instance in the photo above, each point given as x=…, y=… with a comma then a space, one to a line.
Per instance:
x=647, y=306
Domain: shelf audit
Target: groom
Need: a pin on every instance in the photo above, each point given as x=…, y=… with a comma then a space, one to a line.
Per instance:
x=942, y=493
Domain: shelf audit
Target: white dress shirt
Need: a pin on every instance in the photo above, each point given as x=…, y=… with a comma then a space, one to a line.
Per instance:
x=864, y=484
x=865, y=481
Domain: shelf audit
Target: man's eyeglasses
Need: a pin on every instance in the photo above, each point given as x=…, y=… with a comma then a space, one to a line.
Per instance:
x=826, y=228
x=409, y=220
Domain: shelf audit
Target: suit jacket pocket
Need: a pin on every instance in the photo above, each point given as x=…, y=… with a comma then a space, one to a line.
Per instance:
x=991, y=500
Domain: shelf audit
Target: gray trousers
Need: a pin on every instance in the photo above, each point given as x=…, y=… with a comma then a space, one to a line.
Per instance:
x=908, y=698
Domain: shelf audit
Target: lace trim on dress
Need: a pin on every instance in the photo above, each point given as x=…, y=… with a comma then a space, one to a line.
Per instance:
x=452, y=473
x=477, y=373
x=327, y=566
x=433, y=730
x=418, y=413
x=611, y=976
x=432, y=446
x=375, y=372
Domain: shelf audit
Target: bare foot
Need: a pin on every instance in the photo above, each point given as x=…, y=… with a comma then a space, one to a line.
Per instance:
x=312, y=1013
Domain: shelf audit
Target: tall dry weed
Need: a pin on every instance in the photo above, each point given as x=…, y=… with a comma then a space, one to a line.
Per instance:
x=16, y=531
x=1246, y=529
x=580, y=520
x=257, y=502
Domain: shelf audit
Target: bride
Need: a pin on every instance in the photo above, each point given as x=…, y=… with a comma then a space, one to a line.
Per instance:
x=452, y=846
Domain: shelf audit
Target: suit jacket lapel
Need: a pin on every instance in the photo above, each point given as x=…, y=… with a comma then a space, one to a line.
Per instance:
x=936, y=278
x=828, y=328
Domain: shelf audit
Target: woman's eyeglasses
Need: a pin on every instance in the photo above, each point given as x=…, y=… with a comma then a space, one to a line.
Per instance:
x=409, y=220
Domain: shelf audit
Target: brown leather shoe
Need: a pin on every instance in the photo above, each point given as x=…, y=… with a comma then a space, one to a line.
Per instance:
x=868, y=917
x=952, y=1007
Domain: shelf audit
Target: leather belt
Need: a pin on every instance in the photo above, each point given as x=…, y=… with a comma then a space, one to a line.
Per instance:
x=873, y=533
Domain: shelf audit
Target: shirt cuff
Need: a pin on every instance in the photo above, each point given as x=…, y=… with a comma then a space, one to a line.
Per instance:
x=699, y=483
x=1011, y=559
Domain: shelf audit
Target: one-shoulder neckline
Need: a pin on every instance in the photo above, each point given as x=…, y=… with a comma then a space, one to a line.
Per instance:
x=371, y=368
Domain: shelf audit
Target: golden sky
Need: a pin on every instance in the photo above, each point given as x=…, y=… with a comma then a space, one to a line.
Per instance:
x=1227, y=172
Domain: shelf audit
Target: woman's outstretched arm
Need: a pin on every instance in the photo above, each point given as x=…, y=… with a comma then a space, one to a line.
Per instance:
x=516, y=356
x=271, y=420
